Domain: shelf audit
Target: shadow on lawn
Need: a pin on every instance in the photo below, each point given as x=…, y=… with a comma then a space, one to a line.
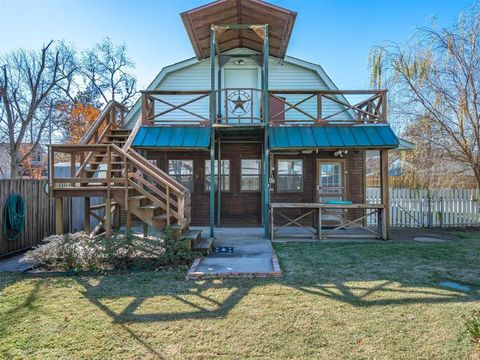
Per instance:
x=199, y=300
x=358, y=296
x=163, y=298
x=193, y=300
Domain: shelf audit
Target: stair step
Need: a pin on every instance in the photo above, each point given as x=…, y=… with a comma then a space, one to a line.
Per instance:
x=118, y=136
x=100, y=206
x=162, y=217
x=202, y=245
x=111, y=170
x=150, y=207
x=192, y=235
x=137, y=197
x=121, y=130
x=103, y=162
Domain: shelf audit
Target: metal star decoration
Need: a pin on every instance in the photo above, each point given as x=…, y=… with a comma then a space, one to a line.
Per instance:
x=239, y=103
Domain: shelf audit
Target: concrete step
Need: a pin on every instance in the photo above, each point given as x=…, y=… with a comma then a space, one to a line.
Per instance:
x=202, y=245
x=190, y=236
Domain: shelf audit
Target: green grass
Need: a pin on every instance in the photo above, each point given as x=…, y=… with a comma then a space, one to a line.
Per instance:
x=361, y=301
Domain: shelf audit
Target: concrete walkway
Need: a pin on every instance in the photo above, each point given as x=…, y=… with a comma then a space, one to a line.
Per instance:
x=14, y=263
x=252, y=256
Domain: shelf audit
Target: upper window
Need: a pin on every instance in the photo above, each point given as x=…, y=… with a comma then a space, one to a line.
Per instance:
x=290, y=175
x=251, y=174
x=224, y=171
x=182, y=171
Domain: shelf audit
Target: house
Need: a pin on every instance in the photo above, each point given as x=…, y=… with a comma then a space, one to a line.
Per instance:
x=34, y=166
x=242, y=134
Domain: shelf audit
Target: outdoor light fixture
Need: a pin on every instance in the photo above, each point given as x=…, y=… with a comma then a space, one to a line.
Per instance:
x=340, y=153
x=240, y=62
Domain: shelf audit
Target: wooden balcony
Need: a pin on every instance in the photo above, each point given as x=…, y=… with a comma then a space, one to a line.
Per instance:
x=245, y=107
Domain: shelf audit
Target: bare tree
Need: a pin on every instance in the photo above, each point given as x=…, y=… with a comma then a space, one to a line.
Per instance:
x=106, y=71
x=31, y=84
x=435, y=79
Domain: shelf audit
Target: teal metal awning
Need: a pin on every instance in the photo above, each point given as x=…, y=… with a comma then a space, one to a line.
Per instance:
x=355, y=136
x=172, y=137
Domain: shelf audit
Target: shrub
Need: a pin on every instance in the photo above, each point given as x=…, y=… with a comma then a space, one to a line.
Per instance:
x=472, y=325
x=176, y=252
x=122, y=250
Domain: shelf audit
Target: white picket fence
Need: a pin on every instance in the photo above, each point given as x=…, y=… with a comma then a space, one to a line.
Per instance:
x=435, y=208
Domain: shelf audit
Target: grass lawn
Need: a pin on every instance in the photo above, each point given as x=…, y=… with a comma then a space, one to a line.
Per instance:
x=365, y=300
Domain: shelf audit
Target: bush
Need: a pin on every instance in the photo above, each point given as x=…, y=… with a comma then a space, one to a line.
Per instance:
x=472, y=325
x=122, y=250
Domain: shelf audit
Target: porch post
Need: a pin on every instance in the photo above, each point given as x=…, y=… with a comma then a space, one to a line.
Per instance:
x=86, y=216
x=212, y=132
x=384, y=191
x=266, y=112
x=59, y=216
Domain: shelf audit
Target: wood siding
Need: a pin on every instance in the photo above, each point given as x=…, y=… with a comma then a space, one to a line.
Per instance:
x=244, y=208
x=238, y=208
x=282, y=76
x=354, y=163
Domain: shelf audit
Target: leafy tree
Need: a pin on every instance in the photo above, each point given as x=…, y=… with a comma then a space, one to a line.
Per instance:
x=77, y=115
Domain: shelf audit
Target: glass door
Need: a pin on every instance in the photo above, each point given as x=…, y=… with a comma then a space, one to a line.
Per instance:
x=330, y=184
x=330, y=187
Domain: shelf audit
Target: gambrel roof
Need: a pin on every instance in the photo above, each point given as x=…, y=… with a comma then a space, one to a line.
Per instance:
x=224, y=12
x=135, y=110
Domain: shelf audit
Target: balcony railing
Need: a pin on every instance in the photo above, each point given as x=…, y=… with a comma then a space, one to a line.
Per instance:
x=244, y=106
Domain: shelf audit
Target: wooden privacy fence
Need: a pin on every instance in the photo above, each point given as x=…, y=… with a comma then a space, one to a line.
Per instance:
x=39, y=219
x=430, y=208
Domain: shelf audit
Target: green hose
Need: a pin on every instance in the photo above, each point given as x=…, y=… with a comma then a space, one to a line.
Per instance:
x=13, y=217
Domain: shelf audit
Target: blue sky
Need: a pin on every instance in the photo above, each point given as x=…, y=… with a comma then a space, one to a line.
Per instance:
x=337, y=34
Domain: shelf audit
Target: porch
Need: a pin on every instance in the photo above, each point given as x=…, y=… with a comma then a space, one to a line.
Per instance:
x=352, y=227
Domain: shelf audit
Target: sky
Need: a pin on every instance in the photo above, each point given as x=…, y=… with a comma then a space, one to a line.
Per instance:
x=337, y=34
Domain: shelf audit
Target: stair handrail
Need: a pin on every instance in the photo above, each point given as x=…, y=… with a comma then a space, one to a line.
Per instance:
x=151, y=169
x=171, y=185
x=105, y=114
x=133, y=133
x=174, y=184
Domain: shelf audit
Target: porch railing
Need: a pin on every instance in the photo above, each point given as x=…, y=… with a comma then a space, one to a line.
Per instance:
x=120, y=172
x=234, y=106
x=306, y=107
x=176, y=107
x=239, y=106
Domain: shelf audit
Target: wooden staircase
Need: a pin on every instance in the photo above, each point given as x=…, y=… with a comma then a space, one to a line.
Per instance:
x=104, y=165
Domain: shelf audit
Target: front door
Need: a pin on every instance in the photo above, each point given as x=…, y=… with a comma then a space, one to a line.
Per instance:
x=241, y=97
x=330, y=184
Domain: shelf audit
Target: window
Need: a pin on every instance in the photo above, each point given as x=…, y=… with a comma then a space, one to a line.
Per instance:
x=290, y=175
x=225, y=171
x=251, y=175
x=182, y=171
